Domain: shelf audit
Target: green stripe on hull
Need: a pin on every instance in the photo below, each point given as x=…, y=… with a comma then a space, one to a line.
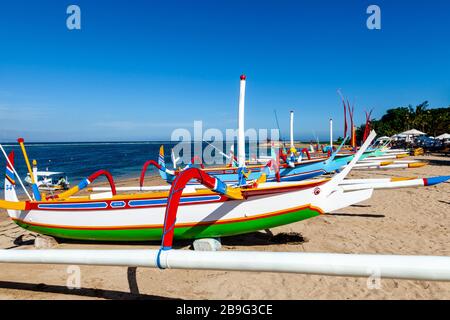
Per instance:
x=209, y=231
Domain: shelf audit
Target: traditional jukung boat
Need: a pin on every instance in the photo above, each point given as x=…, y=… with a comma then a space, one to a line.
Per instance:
x=221, y=210
x=203, y=213
x=295, y=170
x=48, y=180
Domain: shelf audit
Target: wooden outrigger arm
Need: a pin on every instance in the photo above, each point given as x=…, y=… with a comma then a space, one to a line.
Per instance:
x=83, y=184
x=36, y=193
x=144, y=170
x=175, y=194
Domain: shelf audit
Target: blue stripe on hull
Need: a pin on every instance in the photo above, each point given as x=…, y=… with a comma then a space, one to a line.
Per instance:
x=122, y=204
x=185, y=200
x=95, y=205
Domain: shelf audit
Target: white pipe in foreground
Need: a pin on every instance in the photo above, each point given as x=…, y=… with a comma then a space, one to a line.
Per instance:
x=356, y=265
x=292, y=129
x=241, y=126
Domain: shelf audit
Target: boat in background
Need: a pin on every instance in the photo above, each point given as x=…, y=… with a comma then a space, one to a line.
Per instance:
x=284, y=166
x=48, y=180
x=294, y=170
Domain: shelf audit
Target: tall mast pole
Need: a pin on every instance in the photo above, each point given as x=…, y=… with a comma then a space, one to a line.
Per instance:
x=241, y=127
x=292, y=129
x=331, y=134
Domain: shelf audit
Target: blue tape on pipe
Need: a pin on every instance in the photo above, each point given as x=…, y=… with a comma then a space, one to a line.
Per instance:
x=83, y=184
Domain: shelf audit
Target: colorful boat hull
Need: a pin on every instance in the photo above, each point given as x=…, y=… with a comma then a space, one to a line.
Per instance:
x=182, y=231
x=207, y=214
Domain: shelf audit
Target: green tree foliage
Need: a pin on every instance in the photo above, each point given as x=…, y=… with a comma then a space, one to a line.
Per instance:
x=431, y=121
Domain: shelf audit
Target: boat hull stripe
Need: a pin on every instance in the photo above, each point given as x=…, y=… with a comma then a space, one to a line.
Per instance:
x=317, y=211
x=185, y=200
x=75, y=206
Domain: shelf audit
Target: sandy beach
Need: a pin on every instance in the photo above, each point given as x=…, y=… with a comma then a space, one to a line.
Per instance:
x=404, y=221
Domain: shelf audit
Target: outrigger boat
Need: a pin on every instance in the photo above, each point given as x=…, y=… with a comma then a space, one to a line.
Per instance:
x=290, y=170
x=218, y=211
x=294, y=167
x=298, y=171
x=48, y=180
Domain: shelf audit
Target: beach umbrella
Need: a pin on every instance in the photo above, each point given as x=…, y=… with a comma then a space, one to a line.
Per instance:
x=413, y=132
x=443, y=136
x=399, y=136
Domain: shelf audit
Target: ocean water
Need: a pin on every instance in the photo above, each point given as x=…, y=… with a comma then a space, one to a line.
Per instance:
x=79, y=160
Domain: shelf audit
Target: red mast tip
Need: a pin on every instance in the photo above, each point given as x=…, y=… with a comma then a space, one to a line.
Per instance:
x=243, y=77
x=20, y=140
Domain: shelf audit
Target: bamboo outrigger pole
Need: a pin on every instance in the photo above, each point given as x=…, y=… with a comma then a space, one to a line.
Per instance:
x=36, y=193
x=15, y=172
x=435, y=268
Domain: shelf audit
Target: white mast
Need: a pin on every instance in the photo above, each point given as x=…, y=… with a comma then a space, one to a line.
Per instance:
x=241, y=128
x=331, y=134
x=292, y=129
x=35, y=170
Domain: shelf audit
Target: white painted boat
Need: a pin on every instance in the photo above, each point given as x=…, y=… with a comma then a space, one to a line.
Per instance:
x=222, y=211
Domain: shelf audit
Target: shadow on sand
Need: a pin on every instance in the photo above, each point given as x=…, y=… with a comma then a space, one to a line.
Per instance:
x=178, y=244
x=361, y=205
x=360, y=215
x=84, y=292
x=248, y=239
x=436, y=162
x=264, y=238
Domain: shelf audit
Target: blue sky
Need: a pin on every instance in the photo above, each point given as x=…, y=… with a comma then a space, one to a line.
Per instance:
x=139, y=69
